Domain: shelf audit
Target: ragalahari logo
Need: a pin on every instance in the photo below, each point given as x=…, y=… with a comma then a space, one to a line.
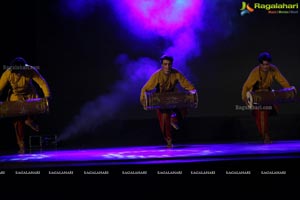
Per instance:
x=246, y=9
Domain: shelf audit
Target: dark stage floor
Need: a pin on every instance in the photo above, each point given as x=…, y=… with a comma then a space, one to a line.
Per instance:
x=280, y=158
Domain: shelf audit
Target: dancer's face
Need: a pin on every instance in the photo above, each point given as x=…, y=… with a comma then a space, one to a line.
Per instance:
x=265, y=66
x=166, y=66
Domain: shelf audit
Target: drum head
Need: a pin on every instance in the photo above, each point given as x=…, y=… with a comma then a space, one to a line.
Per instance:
x=196, y=100
x=249, y=99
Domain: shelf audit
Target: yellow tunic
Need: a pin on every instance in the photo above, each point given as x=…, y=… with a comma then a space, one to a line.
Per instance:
x=165, y=83
x=263, y=80
x=21, y=84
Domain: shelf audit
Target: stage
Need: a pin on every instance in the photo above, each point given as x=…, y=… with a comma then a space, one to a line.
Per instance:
x=251, y=158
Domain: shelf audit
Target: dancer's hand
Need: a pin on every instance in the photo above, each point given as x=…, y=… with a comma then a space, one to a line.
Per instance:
x=194, y=91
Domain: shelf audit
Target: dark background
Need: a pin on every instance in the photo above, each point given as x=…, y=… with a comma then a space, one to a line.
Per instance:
x=77, y=58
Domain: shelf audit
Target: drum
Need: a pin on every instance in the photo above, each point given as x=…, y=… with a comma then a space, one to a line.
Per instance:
x=170, y=100
x=285, y=95
x=24, y=108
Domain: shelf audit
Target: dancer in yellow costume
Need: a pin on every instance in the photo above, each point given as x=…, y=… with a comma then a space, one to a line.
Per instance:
x=166, y=80
x=19, y=75
x=261, y=78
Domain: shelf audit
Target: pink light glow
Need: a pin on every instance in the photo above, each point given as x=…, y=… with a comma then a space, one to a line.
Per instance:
x=164, y=17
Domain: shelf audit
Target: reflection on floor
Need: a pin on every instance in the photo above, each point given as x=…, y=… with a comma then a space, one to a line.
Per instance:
x=280, y=155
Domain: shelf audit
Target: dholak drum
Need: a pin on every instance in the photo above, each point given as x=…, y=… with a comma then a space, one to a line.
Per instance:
x=170, y=100
x=285, y=95
x=23, y=108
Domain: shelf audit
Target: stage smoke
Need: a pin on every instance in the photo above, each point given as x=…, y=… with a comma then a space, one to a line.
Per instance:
x=179, y=22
